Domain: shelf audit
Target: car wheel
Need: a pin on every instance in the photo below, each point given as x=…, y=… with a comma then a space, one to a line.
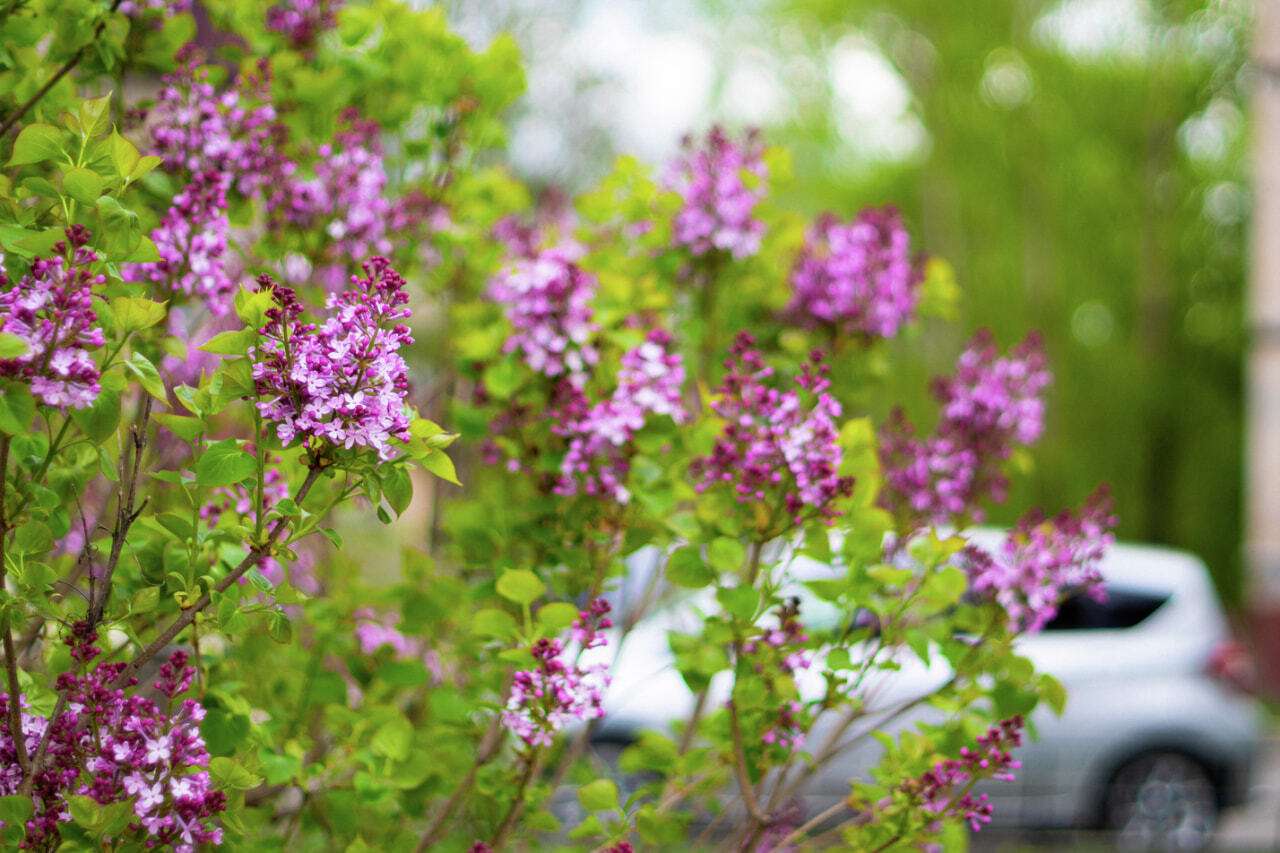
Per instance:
x=1161, y=801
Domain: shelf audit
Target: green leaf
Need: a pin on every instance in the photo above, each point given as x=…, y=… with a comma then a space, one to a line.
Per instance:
x=35, y=144
x=101, y=419
x=123, y=153
x=15, y=809
x=34, y=537
x=84, y=185
x=95, y=115
x=12, y=346
x=145, y=165
x=589, y=828
x=229, y=773
x=393, y=739
x=397, y=488
x=252, y=306
x=404, y=673
x=17, y=409
x=686, y=568
x=521, y=586
x=491, y=622
x=726, y=554
x=145, y=600
x=279, y=628
x=599, y=796
x=278, y=769
x=503, y=378
x=85, y=811
x=889, y=575
x=438, y=463
x=1052, y=691
x=556, y=616
x=141, y=366
x=741, y=601
x=134, y=313
x=225, y=463
x=188, y=429
x=231, y=343
x=120, y=228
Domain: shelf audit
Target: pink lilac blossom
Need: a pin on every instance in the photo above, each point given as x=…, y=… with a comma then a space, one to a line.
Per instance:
x=786, y=642
x=302, y=21
x=345, y=198
x=942, y=789
x=773, y=442
x=588, y=628
x=989, y=406
x=546, y=699
x=788, y=729
x=1042, y=560
x=649, y=383
x=547, y=301
x=114, y=747
x=343, y=383
x=858, y=279
x=721, y=182
x=373, y=632
x=168, y=8
x=51, y=310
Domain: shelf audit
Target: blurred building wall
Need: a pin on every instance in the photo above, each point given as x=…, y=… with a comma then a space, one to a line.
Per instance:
x=1262, y=468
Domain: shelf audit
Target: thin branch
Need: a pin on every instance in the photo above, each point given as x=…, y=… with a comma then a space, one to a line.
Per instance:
x=10, y=654
x=488, y=748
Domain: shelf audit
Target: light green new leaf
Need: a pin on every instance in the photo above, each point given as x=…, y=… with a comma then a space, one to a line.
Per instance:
x=35, y=144
x=225, y=463
x=521, y=586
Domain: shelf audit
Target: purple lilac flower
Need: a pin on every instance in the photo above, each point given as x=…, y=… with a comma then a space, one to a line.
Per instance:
x=169, y=8
x=546, y=699
x=373, y=632
x=114, y=747
x=343, y=383
x=786, y=642
x=788, y=728
x=302, y=21
x=547, y=300
x=857, y=279
x=942, y=789
x=345, y=198
x=588, y=628
x=192, y=242
x=991, y=404
x=51, y=310
x=1042, y=560
x=773, y=443
x=649, y=383
x=721, y=181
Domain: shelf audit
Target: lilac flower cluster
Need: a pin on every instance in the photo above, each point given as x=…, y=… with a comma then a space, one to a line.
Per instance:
x=788, y=729
x=857, y=279
x=649, y=383
x=345, y=197
x=51, y=310
x=1042, y=560
x=546, y=699
x=547, y=300
x=772, y=444
x=721, y=182
x=373, y=632
x=302, y=21
x=114, y=747
x=945, y=788
x=588, y=627
x=343, y=383
x=218, y=142
x=168, y=8
x=787, y=641
x=991, y=404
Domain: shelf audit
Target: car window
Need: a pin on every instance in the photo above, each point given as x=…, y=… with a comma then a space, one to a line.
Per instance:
x=1122, y=609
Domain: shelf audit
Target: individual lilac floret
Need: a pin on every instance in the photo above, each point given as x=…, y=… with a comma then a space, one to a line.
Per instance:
x=649, y=383
x=857, y=279
x=114, y=747
x=1043, y=560
x=547, y=300
x=774, y=443
x=302, y=21
x=788, y=729
x=546, y=699
x=943, y=790
x=342, y=383
x=192, y=242
x=721, y=181
x=989, y=406
x=51, y=310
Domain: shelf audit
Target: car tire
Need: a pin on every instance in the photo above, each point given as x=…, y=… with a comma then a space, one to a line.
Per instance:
x=1161, y=800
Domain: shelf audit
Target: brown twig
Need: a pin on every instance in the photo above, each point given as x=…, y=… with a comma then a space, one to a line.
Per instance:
x=488, y=748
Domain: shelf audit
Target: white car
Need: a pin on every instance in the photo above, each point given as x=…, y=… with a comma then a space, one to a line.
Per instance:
x=1157, y=737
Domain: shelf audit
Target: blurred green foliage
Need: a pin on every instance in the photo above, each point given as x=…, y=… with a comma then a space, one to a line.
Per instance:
x=1094, y=191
